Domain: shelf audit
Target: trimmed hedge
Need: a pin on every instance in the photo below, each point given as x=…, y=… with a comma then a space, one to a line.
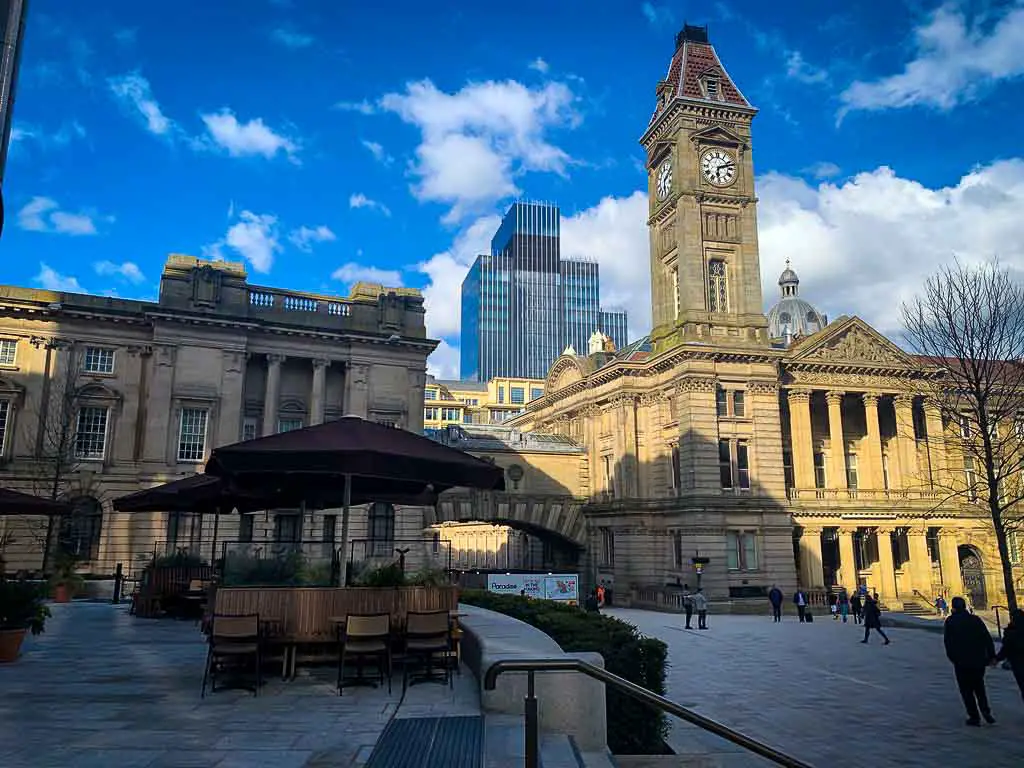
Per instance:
x=633, y=728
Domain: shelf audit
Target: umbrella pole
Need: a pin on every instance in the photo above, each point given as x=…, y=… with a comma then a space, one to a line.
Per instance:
x=213, y=546
x=346, y=502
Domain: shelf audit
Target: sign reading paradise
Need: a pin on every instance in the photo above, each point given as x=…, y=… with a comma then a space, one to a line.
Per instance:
x=552, y=586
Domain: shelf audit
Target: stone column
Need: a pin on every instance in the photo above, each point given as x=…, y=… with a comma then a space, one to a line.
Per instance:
x=886, y=568
x=837, y=455
x=949, y=562
x=272, y=394
x=906, y=446
x=872, y=444
x=318, y=394
x=356, y=390
x=800, y=441
x=920, y=561
x=811, y=574
x=936, y=444
x=847, y=560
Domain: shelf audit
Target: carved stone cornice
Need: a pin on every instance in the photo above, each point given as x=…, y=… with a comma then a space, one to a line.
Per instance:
x=653, y=398
x=870, y=399
x=834, y=396
x=321, y=362
x=849, y=382
x=696, y=384
x=811, y=530
x=623, y=401
x=763, y=388
x=275, y=358
x=903, y=400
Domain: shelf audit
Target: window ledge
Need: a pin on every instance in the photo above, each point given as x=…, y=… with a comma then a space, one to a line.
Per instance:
x=12, y=367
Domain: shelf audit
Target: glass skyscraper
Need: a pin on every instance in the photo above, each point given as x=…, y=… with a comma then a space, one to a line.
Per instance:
x=522, y=303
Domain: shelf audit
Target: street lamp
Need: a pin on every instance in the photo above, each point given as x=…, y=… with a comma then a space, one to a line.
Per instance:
x=698, y=565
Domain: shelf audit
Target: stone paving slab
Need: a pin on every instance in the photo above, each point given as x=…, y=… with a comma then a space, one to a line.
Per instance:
x=102, y=689
x=815, y=692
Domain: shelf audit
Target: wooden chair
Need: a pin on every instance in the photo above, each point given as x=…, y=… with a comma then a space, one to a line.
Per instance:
x=428, y=640
x=362, y=638
x=234, y=640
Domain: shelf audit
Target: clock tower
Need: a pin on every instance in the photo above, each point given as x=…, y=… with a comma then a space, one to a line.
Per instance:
x=705, y=271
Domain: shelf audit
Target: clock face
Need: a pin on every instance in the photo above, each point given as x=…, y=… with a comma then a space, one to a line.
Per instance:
x=718, y=167
x=664, y=184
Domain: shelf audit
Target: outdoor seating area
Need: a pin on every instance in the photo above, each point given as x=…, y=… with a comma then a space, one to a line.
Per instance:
x=418, y=626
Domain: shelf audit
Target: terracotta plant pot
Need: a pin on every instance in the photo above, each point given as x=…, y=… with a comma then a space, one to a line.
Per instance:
x=10, y=644
x=61, y=594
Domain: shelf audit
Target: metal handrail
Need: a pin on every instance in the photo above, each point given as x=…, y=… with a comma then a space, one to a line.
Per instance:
x=531, y=666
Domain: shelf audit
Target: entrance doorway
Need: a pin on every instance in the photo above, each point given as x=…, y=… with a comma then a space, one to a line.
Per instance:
x=973, y=576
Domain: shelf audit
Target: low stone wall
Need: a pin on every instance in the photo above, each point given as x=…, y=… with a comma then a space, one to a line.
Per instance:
x=568, y=702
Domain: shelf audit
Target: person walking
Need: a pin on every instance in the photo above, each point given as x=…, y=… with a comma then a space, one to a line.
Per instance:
x=800, y=601
x=687, y=604
x=600, y=595
x=844, y=605
x=1012, y=649
x=873, y=619
x=970, y=648
x=700, y=603
x=833, y=605
x=856, y=607
x=775, y=598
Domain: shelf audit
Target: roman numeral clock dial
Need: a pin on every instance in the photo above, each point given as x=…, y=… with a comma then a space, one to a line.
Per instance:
x=664, y=181
x=718, y=167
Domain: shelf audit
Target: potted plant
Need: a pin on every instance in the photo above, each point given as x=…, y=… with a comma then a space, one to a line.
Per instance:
x=65, y=580
x=22, y=609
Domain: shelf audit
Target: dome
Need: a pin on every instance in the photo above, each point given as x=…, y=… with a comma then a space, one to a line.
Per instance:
x=792, y=317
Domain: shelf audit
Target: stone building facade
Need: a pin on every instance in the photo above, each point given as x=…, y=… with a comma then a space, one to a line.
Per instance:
x=785, y=453
x=100, y=397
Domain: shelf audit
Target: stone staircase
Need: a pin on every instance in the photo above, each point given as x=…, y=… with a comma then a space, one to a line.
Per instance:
x=505, y=747
x=917, y=608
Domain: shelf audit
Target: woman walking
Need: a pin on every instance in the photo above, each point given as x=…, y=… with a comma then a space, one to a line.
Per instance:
x=873, y=619
x=844, y=605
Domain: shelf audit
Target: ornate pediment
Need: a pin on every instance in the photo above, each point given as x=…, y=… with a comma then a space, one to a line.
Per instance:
x=855, y=343
x=717, y=134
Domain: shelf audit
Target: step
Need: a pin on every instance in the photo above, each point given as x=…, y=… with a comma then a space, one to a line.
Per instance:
x=505, y=747
x=430, y=742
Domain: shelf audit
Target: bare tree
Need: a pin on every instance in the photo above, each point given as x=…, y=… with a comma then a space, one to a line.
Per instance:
x=969, y=323
x=52, y=430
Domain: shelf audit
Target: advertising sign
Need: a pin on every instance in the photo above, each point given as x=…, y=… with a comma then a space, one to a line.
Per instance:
x=555, y=586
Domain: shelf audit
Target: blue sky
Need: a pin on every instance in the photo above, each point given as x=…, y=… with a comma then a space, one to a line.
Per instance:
x=323, y=142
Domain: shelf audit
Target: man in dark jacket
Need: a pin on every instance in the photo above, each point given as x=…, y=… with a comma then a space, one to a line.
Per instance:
x=775, y=598
x=1012, y=649
x=970, y=648
x=800, y=601
x=873, y=619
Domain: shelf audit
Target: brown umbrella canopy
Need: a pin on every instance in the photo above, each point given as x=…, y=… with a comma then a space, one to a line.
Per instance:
x=383, y=462
x=15, y=503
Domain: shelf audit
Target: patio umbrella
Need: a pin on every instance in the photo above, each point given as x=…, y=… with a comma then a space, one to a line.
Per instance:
x=348, y=460
x=16, y=503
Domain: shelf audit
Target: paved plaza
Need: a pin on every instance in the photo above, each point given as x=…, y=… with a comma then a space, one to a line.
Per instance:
x=815, y=692
x=102, y=689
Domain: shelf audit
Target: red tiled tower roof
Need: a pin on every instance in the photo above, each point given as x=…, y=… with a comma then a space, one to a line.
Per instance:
x=694, y=59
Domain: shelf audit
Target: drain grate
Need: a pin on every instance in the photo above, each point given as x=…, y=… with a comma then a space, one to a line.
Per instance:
x=430, y=742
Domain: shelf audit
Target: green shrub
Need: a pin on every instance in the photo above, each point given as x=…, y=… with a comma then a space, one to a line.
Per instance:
x=633, y=727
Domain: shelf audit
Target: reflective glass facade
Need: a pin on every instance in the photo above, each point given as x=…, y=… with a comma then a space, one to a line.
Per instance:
x=522, y=304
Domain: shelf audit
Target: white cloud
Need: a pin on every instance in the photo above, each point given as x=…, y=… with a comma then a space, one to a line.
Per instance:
x=799, y=69
x=476, y=140
x=291, y=38
x=133, y=92
x=379, y=153
x=442, y=297
x=353, y=273
x=62, y=137
x=44, y=214
x=443, y=362
x=823, y=170
x=126, y=37
x=252, y=138
x=363, y=107
x=127, y=271
x=954, y=63
x=539, y=65
x=614, y=232
x=864, y=246
x=658, y=14
x=359, y=200
x=254, y=237
x=303, y=238
x=52, y=280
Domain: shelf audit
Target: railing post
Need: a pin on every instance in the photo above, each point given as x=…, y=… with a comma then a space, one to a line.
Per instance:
x=118, y=581
x=532, y=726
x=999, y=624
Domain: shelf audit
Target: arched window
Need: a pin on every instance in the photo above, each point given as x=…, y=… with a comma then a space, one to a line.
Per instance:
x=382, y=529
x=718, y=286
x=80, y=531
